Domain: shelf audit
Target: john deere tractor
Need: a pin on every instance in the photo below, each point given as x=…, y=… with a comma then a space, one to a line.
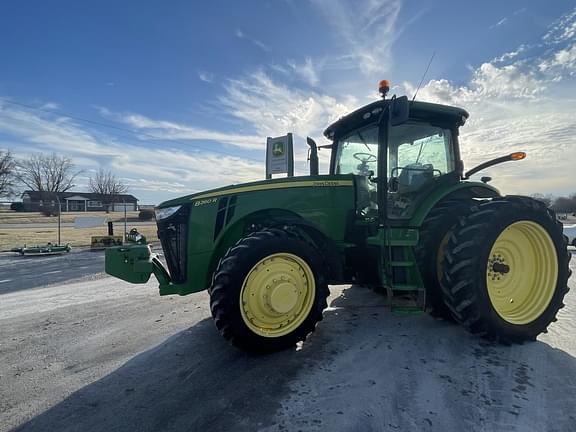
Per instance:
x=396, y=212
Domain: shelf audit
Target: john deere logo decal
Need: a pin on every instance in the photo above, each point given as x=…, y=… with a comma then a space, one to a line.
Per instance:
x=278, y=149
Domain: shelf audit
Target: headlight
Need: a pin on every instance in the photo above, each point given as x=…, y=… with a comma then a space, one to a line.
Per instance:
x=163, y=213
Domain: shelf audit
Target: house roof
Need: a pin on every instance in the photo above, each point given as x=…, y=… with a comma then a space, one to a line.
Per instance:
x=37, y=196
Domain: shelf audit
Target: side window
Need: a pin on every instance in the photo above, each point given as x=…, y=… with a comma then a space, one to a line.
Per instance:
x=358, y=152
x=420, y=147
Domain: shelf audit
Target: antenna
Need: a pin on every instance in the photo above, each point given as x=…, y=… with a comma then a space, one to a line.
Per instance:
x=424, y=75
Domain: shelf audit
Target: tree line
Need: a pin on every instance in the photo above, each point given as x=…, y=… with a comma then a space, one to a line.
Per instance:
x=560, y=204
x=50, y=174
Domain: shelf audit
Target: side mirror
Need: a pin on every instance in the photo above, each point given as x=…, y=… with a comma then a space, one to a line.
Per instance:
x=400, y=110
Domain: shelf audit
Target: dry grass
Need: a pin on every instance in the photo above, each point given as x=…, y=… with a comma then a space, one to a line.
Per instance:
x=10, y=238
x=33, y=217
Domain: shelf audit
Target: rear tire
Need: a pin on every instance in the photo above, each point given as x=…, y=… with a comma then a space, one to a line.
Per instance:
x=506, y=269
x=434, y=233
x=268, y=291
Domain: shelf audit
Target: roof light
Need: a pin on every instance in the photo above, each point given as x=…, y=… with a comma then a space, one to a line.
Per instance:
x=383, y=88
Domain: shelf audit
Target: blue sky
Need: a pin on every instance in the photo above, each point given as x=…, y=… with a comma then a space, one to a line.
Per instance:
x=197, y=86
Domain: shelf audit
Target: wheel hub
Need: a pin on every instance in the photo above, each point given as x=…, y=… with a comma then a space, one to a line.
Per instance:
x=497, y=267
x=283, y=297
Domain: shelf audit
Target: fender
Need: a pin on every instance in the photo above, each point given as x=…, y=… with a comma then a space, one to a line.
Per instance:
x=460, y=190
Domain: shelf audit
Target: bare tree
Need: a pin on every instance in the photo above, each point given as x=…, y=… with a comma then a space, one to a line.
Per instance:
x=565, y=204
x=108, y=187
x=7, y=168
x=47, y=173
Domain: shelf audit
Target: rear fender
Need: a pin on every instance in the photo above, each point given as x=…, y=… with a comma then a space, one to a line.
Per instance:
x=463, y=190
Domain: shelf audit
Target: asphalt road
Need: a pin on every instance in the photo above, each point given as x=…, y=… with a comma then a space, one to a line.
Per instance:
x=24, y=273
x=54, y=225
x=103, y=355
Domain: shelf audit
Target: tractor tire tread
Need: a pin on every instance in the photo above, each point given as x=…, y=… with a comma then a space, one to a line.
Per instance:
x=222, y=303
x=463, y=271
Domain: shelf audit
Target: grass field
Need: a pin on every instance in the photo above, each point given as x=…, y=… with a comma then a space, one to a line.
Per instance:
x=10, y=238
x=9, y=217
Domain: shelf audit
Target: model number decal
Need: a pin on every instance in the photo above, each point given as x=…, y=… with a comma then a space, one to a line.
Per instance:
x=326, y=183
x=205, y=201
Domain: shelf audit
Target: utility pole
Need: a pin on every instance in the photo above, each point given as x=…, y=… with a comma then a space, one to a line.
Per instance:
x=59, y=211
x=125, y=232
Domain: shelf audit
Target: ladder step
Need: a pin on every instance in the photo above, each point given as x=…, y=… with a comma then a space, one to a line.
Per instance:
x=405, y=287
x=401, y=263
x=407, y=310
x=405, y=242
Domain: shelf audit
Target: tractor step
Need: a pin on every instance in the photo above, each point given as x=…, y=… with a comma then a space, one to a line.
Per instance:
x=401, y=263
x=404, y=287
x=407, y=310
x=408, y=299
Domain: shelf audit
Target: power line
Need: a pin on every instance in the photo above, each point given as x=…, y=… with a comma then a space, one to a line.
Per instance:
x=111, y=126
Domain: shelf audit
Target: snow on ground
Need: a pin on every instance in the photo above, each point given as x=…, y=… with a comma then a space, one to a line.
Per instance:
x=105, y=355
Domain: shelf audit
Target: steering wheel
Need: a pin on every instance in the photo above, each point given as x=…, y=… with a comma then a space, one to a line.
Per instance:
x=368, y=157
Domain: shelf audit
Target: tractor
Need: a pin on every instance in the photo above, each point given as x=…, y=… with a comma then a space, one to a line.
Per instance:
x=396, y=212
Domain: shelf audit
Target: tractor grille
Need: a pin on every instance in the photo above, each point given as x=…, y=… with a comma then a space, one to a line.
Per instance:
x=173, y=235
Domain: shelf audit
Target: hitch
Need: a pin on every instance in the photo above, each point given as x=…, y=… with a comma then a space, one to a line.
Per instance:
x=135, y=263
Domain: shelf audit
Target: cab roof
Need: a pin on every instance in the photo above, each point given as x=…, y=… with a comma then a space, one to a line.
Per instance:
x=418, y=110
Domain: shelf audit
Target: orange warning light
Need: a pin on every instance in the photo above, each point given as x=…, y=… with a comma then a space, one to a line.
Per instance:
x=517, y=156
x=384, y=83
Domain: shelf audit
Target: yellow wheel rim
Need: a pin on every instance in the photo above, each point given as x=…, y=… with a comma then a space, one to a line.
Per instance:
x=277, y=295
x=521, y=273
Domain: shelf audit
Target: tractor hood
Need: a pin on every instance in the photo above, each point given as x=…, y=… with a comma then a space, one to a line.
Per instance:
x=279, y=183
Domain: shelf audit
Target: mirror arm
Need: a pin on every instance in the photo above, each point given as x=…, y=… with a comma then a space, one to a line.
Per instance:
x=510, y=157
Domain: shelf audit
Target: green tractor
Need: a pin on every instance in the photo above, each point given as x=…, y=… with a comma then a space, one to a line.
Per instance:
x=395, y=212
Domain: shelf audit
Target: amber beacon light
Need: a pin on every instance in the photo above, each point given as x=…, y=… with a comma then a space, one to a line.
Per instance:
x=384, y=87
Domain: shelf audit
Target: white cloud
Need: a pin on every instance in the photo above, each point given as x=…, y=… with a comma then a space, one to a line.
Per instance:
x=274, y=109
x=241, y=35
x=521, y=102
x=366, y=28
x=167, y=130
x=306, y=71
x=206, y=76
x=163, y=168
x=499, y=23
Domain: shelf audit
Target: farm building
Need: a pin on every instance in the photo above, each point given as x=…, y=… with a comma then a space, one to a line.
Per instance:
x=77, y=201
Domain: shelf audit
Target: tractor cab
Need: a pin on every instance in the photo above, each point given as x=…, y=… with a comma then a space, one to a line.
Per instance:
x=399, y=159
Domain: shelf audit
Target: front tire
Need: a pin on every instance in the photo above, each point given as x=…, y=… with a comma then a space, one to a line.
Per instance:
x=268, y=291
x=506, y=269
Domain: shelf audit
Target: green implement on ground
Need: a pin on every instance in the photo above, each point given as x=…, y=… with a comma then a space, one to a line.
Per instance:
x=47, y=249
x=396, y=212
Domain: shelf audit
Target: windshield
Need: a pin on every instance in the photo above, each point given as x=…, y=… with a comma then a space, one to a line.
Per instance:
x=413, y=147
x=358, y=152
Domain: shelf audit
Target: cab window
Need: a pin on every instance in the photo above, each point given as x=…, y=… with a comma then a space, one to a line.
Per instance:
x=420, y=147
x=358, y=152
